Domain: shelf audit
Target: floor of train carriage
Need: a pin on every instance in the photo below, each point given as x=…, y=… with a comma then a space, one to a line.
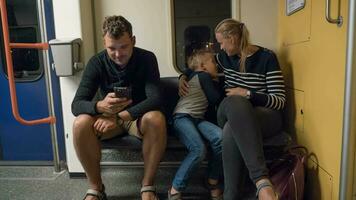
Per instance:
x=122, y=183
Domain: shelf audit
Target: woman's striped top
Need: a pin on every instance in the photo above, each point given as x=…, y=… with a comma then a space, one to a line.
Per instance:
x=262, y=76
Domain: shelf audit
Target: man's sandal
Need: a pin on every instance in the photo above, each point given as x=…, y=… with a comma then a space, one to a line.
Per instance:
x=100, y=195
x=263, y=185
x=214, y=187
x=149, y=188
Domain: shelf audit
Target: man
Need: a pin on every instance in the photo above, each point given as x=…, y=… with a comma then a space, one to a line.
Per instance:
x=120, y=64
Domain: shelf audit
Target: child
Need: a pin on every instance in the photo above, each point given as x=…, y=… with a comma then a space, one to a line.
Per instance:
x=191, y=128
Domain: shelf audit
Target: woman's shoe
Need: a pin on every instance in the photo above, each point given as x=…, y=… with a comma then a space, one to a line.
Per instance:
x=264, y=184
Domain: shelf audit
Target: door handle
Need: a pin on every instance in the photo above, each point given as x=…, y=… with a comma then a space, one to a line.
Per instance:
x=328, y=17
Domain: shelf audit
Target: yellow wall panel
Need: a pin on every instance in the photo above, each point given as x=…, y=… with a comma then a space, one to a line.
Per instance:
x=295, y=112
x=316, y=66
x=301, y=19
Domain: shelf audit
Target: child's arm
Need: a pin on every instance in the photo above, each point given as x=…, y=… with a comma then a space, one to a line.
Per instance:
x=210, y=88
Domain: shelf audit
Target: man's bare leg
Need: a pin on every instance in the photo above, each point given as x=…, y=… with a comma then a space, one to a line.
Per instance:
x=88, y=150
x=154, y=131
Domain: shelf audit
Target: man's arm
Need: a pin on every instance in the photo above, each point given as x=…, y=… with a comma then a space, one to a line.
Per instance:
x=82, y=102
x=152, y=78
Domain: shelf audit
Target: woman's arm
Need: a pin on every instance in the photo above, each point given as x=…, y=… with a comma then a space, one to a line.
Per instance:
x=183, y=83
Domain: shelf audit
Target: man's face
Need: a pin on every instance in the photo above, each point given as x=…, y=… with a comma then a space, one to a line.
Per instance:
x=119, y=49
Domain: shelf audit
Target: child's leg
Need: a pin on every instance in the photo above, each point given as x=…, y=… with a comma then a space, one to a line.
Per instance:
x=188, y=134
x=213, y=134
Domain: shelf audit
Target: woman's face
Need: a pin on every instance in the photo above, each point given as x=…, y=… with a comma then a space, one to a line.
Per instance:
x=227, y=44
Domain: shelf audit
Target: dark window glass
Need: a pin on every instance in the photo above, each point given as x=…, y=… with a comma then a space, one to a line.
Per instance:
x=194, y=23
x=24, y=28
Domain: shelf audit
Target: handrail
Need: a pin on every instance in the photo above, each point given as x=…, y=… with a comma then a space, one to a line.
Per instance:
x=42, y=46
x=338, y=20
x=347, y=173
x=10, y=71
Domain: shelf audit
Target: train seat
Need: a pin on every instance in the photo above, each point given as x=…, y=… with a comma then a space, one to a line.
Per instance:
x=169, y=89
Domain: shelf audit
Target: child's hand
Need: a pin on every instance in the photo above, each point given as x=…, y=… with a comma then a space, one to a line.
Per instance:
x=183, y=86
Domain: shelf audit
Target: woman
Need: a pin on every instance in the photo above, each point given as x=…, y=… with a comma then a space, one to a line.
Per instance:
x=255, y=95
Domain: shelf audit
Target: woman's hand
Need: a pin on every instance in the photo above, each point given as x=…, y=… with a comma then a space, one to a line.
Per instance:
x=183, y=86
x=236, y=91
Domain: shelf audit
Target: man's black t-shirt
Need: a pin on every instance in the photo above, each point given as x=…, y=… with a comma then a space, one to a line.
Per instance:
x=141, y=73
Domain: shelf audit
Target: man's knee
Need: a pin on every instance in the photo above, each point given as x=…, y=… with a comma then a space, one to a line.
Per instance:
x=154, y=119
x=82, y=124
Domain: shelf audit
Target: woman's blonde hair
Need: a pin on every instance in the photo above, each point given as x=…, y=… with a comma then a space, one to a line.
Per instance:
x=230, y=28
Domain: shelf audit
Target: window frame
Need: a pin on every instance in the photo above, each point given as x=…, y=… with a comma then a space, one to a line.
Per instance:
x=40, y=53
x=235, y=13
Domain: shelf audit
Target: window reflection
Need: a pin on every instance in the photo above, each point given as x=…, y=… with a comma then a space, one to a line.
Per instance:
x=194, y=23
x=23, y=28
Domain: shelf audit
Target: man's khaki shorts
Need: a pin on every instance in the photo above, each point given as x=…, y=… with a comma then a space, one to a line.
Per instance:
x=130, y=127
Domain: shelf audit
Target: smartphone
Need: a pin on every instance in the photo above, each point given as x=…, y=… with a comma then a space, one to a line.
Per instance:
x=123, y=92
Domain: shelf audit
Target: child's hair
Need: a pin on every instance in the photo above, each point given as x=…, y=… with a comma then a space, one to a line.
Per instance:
x=198, y=57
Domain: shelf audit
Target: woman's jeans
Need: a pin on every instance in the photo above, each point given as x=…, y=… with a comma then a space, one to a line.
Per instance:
x=193, y=133
x=244, y=127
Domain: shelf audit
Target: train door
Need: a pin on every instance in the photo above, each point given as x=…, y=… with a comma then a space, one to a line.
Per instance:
x=29, y=22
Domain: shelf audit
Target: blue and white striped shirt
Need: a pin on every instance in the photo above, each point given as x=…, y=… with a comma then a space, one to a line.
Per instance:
x=262, y=76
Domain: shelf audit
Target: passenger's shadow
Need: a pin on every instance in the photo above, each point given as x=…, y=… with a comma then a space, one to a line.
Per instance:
x=312, y=188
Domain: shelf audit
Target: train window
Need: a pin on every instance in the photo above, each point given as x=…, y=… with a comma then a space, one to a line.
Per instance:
x=194, y=24
x=23, y=28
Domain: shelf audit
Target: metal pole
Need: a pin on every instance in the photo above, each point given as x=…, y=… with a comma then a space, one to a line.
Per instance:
x=48, y=78
x=346, y=169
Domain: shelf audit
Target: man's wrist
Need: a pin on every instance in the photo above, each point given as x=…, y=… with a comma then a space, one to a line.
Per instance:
x=97, y=108
x=119, y=120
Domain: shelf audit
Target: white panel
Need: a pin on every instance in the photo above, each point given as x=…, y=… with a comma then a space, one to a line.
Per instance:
x=69, y=86
x=235, y=9
x=70, y=23
x=261, y=19
x=67, y=18
x=151, y=23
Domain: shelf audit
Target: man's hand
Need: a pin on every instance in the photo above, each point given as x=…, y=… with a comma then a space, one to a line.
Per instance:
x=236, y=91
x=104, y=124
x=183, y=86
x=111, y=104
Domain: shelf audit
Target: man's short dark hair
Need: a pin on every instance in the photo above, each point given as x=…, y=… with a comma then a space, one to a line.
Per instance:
x=116, y=26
